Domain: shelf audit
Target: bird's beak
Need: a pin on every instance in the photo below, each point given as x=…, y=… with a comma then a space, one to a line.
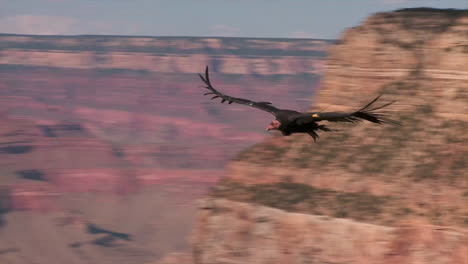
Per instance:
x=270, y=127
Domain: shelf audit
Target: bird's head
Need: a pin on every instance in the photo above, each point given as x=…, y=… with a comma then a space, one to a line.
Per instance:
x=274, y=125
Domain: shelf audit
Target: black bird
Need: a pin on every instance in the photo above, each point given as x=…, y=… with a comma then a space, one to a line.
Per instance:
x=290, y=121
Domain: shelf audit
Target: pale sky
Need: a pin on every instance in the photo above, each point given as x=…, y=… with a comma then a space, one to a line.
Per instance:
x=238, y=18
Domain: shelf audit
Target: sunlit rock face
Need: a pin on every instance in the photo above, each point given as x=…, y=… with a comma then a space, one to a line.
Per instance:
x=259, y=234
x=406, y=181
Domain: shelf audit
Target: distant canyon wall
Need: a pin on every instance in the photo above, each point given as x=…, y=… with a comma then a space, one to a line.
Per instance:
x=125, y=119
x=168, y=55
x=142, y=94
x=100, y=108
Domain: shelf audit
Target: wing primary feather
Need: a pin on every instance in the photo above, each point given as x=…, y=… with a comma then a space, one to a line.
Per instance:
x=216, y=96
x=224, y=100
x=201, y=77
x=207, y=75
x=369, y=104
x=208, y=93
x=382, y=106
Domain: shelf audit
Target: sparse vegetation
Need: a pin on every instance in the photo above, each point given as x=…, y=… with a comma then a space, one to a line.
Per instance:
x=298, y=197
x=359, y=206
x=425, y=109
x=16, y=149
x=5, y=205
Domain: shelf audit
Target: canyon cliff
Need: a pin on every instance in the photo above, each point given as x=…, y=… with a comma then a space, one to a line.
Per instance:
x=366, y=193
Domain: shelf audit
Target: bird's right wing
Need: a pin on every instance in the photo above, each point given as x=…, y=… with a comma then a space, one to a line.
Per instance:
x=265, y=106
x=366, y=113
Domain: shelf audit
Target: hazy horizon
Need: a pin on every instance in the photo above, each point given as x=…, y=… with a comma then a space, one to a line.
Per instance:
x=207, y=18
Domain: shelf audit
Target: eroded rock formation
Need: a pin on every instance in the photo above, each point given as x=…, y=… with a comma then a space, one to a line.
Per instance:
x=366, y=193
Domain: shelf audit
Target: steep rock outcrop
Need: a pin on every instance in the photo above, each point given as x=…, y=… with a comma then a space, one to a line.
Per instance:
x=421, y=162
x=407, y=184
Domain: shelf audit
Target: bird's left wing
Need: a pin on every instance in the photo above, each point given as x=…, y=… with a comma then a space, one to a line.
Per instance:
x=265, y=106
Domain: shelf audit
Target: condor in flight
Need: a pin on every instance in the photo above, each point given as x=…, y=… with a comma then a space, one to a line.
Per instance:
x=290, y=121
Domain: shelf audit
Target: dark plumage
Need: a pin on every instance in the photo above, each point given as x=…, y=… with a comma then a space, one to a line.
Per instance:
x=290, y=121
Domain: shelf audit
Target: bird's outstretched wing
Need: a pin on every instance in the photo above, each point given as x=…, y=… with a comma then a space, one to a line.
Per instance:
x=365, y=113
x=265, y=106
